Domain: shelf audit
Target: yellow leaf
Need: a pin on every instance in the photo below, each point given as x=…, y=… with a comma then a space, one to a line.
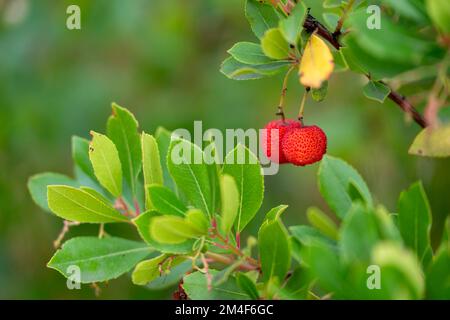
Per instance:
x=317, y=63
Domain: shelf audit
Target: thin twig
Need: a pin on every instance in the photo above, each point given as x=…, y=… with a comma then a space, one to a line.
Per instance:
x=311, y=25
x=340, y=23
x=283, y=93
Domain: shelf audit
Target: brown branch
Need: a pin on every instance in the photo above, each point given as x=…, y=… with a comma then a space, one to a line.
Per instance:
x=312, y=25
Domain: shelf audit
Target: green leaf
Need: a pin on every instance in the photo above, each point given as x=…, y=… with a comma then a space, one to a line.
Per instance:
x=274, y=250
x=80, y=155
x=292, y=26
x=151, y=164
x=438, y=276
x=332, y=3
x=230, y=202
x=439, y=11
x=106, y=163
x=243, y=166
x=412, y=9
x=335, y=176
x=249, y=53
x=122, y=130
x=411, y=49
x=376, y=90
x=97, y=195
x=190, y=173
x=173, y=230
x=274, y=45
x=275, y=213
x=149, y=270
x=163, y=137
x=247, y=285
x=308, y=236
x=321, y=93
x=198, y=220
x=171, y=278
x=236, y=70
x=414, y=219
x=143, y=223
x=324, y=265
x=401, y=275
x=76, y=205
x=37, y=186
x=98, y=259
x=196, y=287
x=432, y=142
x=165, y=201
x=322, y=222
x=358, y=234
x=260, y=16
x=331, y=20
x=297, y=286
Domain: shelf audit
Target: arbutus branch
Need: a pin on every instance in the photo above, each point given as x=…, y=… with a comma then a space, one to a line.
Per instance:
x=311, y=24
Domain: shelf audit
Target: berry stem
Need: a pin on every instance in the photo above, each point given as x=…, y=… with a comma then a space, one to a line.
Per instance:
x=283, y=93
x=302, y=104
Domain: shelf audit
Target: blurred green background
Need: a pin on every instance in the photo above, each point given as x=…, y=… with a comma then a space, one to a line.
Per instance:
x=161, y=59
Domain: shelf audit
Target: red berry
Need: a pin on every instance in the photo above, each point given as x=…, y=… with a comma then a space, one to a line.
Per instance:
x=304, y=145
x=283, y=126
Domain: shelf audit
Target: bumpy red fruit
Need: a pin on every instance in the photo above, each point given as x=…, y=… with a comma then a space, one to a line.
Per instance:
x=283, y=126
x=304, y=145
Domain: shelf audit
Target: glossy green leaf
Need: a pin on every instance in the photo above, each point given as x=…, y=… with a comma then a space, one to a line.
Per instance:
x=322, y=222
x=106, y=163
x=274, y=45
x=98, y=259
x=196, y=287
x=411, y=49
x=163, y=137
x=149, y=270
x=292, y=26
x=297, y=286
x=236, y=70
x=358, y=234
x=245, y=169
x=331, y=20
x=165, y=201
x=335, y=177
x=143, y=223
x=173, y=229
x=414, y=220
x=412, y=9
x=308, y=236
x=376, y=90
x=80, y=155
x=97, y=195
x=438, y=276
x=122, y=130
x=37, y=186
x=230, y=202
x=151, y=164
x=74, y=204
x=432, y=142
x=247, y=285
x=439, y=11
x=172, y=278
x=274, y=250
x=190, y=173
x=332, y=3
x=249, y=53
x=260, y=16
